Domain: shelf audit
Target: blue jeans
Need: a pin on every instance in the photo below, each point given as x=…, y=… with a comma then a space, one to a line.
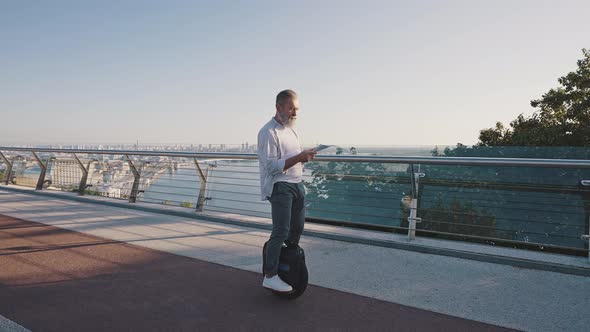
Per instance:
x=288, y=216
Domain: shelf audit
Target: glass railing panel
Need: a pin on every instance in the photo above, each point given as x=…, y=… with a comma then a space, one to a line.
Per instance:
x=360, y=193
x=234, y=187
x=110, y=176
x=25, y=171
x=533, y=206
x=170, y=181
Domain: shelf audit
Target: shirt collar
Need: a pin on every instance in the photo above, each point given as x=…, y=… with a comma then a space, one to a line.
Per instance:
x=276, y=122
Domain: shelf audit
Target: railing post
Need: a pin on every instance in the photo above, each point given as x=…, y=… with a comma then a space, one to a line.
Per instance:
x=84, y=179
x=586, y=237
x=8, y=169
x=586, y=196
x=203, y=187
x=43, y=167
x=135, y=187
x=413, y=218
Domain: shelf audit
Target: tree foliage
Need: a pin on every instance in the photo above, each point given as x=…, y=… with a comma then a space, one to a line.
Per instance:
x=561, y=118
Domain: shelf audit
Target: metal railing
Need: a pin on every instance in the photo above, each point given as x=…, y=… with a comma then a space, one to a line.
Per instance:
x=532, y=203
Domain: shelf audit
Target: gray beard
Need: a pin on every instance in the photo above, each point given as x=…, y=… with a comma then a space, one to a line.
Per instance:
x=289, y=123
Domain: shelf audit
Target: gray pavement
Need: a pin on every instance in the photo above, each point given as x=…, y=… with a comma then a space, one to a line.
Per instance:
x=502, y=295
x=6, y=325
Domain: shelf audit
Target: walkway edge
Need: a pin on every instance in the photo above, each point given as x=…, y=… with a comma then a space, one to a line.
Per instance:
x=6, y=325
x=489, y=258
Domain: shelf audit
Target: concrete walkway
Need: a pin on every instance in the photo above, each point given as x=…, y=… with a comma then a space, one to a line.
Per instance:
x=496, y=294
x=6, y=325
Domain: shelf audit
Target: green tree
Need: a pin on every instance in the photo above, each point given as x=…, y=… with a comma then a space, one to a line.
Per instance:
x=562, y=116
x=559, y=128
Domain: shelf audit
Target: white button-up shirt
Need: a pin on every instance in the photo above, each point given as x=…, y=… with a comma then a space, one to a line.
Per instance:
x=276, y=144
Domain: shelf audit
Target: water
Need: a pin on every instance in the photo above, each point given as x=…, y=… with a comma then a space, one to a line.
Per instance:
x=233, y=186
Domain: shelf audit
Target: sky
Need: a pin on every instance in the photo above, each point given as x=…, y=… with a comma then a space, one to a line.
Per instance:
x=367, y=72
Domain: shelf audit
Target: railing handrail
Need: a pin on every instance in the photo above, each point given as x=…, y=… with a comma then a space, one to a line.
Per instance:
x=409, y=200
x=461, y=161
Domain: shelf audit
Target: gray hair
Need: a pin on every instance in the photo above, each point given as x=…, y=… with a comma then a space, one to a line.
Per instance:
x=284, y=95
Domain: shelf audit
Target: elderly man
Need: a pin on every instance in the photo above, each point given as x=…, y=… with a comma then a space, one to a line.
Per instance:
x=281, y=168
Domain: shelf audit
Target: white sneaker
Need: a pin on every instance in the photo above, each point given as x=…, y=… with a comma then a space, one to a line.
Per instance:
x=277, y=284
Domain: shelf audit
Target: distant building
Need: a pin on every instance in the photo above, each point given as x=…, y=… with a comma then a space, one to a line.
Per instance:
x=65, y=173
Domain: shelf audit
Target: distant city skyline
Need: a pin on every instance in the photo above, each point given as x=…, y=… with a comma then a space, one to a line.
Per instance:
x=371, y=73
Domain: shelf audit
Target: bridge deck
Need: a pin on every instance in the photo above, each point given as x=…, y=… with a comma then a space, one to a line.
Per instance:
x=163, y=272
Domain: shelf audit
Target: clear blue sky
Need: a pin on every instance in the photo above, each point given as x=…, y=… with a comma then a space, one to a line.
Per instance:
x=368, y=73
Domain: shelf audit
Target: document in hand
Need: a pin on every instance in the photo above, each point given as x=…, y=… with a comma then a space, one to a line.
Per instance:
x=322, y=147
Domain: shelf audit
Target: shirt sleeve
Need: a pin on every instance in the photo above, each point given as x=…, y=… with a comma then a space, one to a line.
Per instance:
x=268, y=153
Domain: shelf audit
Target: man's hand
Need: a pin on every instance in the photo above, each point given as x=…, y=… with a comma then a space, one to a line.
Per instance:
x=307, y=155
x=303, y=157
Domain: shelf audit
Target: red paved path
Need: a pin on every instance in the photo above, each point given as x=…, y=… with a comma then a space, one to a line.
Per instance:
x=57, y=280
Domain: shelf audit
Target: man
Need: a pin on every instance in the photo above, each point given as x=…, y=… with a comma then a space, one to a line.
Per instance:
x=281, y=168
